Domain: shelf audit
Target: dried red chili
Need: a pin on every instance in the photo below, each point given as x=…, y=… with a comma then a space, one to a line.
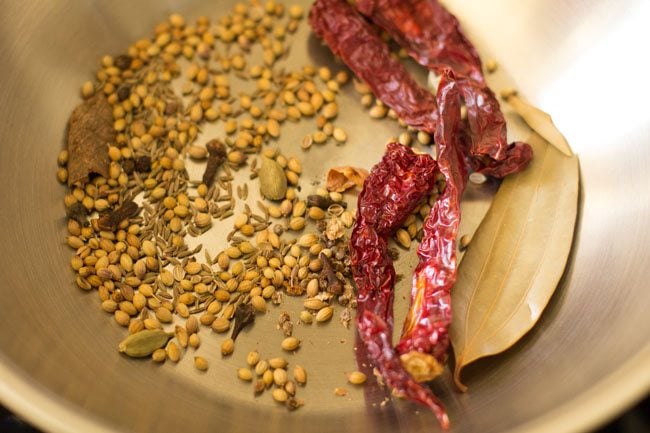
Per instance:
x=429, y=33
x=359, y=45
x=396, y=185
x=425, y=327
x=432, y=36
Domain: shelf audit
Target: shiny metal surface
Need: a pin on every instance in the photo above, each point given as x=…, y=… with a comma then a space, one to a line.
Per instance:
x=588, y=358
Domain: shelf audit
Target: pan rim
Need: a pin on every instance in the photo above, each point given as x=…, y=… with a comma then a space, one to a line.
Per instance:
x=588, y=409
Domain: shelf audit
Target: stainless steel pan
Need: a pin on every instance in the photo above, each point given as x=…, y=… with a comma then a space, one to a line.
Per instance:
x=588, y=358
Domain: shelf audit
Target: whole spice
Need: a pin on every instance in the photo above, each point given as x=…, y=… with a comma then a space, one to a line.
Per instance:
x=216, y=156
x=142, y=164
x=328, y=277
x=351, y=38
x=356, y=378
x=278, y=362
x=290, y=344
x=227, y=347
x=173, y=352
x=245, y=374
x=273, y=182
x=300, y=374
x=521, y=250
x=253, y=358
x=426, y=325
x=244, y=316
x=323, y=202
x=200, y=363
x=90, y=132
x=279, y=376
x=143, y=343
x=137, y=256
x=280, y=395
x=159, y=355
x=396, y=185
x=324, y=315
x=110, y=221
x=77, y=212
x=432, y=36
x=347, y=34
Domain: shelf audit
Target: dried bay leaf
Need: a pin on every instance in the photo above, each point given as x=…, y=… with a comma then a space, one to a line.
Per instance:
x=516, y=258
x=90, y=132
x=540, y=122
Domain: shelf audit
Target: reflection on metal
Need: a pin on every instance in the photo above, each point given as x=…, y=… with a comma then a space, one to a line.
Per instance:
x=587, y=359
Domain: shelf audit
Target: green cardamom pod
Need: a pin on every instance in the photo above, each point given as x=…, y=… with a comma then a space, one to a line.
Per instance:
x=143, y=343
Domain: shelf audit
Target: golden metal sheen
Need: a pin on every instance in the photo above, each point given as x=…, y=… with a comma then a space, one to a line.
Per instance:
x=586, y=360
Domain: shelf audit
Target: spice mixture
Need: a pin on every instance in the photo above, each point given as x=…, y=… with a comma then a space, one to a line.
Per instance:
x=133, y=205
x=136, y=202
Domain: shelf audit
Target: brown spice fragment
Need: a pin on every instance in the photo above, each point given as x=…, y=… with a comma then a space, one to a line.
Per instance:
x=123, y=61
x=322, y=202
x=334, y=229
x=345, y=318
x=340, y=391
x=244, y=316
x=293, y=403
x=340, y=179
x=216, y=156
x=143, y=164
x=171, y=108
x=285, y=324
x=123, y=92
x=259, y=387
x=77, y=212
x=90, y=132
x=128, y=165
x=295, y=289
x=110, y=221
x=328, y=278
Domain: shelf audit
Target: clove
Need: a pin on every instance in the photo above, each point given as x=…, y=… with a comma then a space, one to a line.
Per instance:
x=112, y=220
x=328, y=276
x=216, y=156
